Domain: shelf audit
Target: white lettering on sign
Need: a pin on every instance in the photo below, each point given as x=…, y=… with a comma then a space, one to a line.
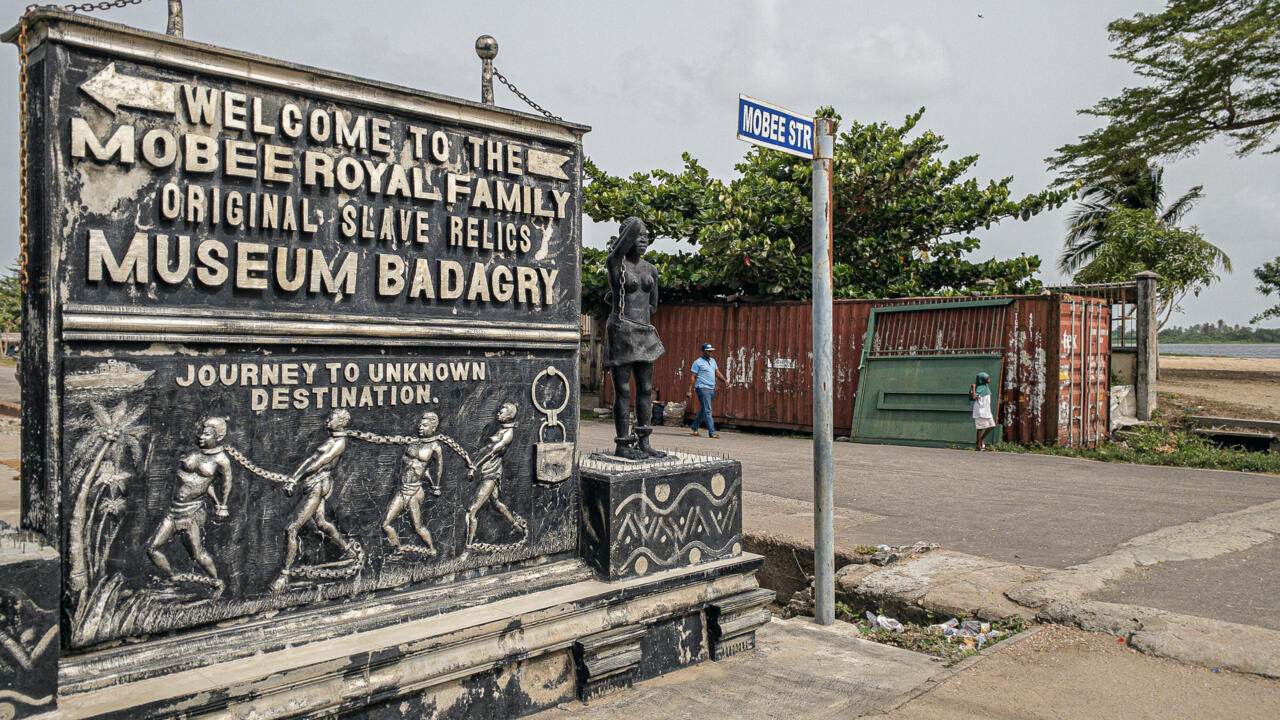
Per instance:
x=306, y=385
x=774, y=127
x=319, y=172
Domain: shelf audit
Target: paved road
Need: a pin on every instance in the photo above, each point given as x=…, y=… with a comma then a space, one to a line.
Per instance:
x=1029, y=509
x=9, y=391
x=1226, y=587
x=10, y=436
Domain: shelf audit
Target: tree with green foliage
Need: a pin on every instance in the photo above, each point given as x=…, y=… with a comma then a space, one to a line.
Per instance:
x=1268, y=284
x=1219, y=332
x=10, y=303
x=1137, y=240
x=903, y=219
x=1137, y=185
x=1211, y=68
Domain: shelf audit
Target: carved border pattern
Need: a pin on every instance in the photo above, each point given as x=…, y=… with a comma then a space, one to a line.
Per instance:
x=697, y=524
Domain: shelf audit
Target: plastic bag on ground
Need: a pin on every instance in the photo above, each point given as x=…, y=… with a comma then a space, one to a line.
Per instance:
x=673, y=413
x=945, y=627
x=888, y=623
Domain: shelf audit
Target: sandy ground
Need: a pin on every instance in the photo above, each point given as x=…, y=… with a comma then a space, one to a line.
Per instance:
x=1234, y=387
x=1193, y=362
x=1064, y=673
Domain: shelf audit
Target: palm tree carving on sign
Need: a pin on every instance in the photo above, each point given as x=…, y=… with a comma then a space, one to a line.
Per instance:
x=106, y=419
x=110, y=440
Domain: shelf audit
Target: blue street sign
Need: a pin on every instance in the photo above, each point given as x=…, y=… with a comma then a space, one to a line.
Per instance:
x=774, y=127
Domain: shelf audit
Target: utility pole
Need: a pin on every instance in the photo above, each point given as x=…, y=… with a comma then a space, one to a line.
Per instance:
x=824, y=591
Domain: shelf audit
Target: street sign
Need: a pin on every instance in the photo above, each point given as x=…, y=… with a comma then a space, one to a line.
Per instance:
x=774, y=127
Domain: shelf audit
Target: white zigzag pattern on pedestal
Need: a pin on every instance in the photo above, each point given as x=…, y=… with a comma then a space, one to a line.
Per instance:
x=648, y=521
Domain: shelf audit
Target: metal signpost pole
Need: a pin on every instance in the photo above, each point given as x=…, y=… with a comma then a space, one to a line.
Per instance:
x=823, y=465
x=768, y=125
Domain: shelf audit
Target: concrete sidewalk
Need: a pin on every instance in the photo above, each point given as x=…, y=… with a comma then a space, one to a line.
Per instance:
x=798, y=669
x=1045, y=512
x=1057, y=533
x=801, y=670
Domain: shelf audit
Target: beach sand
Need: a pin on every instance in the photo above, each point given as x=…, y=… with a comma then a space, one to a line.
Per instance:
x=1221, y=386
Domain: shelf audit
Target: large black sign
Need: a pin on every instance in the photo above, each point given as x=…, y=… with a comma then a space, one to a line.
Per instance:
x=297, y=336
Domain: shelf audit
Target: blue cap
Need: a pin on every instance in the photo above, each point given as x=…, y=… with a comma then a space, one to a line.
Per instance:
x=706, y=347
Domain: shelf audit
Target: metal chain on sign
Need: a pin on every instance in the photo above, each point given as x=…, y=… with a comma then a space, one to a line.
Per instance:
x=90, y=6
x=406, y=440
x=251, y=467
x=22, y=148
x=503, y=79
x=23, y=23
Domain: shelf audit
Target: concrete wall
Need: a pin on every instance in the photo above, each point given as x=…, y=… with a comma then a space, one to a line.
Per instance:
x=1124, y=364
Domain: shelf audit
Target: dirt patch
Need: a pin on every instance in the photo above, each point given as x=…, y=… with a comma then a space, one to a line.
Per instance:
x=1220, y=386
x=949, y=643
x=1210, y=398
x=788, y=562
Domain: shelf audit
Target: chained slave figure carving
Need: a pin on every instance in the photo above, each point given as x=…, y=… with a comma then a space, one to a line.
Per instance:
x=417, y=460
x=186, y=516
x=631, y=342
x=316, y=475
x=488, y=468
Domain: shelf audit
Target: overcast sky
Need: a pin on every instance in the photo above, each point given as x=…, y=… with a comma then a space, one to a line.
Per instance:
x=1001, y=79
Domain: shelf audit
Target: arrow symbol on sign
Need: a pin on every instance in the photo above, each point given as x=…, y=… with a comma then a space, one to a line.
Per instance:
x=112, y=90
x=547, y=164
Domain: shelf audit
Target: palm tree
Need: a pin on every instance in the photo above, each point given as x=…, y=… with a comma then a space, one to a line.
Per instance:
x=1136, y=185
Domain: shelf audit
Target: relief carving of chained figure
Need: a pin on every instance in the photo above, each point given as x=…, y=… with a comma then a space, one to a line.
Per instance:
x=186, y=516
x=489, y=469
x=316, y=475
x=631, y=342
x=417, y=460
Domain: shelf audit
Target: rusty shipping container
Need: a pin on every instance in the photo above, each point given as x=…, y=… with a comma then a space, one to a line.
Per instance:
x=1054, y=349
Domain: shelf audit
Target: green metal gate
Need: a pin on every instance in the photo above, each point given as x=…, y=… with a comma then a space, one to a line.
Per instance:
x=918, y=362
x=922, y=400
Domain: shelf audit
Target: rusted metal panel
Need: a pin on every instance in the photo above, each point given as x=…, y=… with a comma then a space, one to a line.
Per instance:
x=978, y=326
x=1084, y=371
x=765, y=351
x=1026, y=402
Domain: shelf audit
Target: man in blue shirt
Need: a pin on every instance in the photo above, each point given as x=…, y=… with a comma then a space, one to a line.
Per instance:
x=705, y=371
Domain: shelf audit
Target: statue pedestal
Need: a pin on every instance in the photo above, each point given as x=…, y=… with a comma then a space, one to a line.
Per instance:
x=658, y=516
x=647, y=516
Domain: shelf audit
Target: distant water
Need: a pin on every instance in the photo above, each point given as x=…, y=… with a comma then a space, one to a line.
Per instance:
x=1240, y=350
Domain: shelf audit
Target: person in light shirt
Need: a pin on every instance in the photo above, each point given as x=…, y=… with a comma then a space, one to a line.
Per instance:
x=705, y=371
x=983, y=420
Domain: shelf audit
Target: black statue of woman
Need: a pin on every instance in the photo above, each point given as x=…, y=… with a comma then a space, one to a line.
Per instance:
x=631, y=343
